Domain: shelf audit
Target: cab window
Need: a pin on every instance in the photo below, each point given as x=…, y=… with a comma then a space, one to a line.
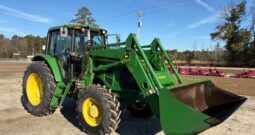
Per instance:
x=80, y=38
x=59, y=45
x=97, y=38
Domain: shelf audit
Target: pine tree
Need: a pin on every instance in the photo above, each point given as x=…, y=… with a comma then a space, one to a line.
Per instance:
x=84, y=16
x=252, y=44
x=235, y=37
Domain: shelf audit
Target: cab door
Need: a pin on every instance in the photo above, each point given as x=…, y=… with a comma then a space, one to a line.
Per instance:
x=60, y=47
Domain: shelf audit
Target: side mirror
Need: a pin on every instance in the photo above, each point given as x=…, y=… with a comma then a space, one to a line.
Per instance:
x=43, y=47
x=118, y=38
x=63, y=32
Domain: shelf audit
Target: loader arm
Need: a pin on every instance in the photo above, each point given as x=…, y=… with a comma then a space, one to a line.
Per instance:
x=104, y=78
x=178, y=105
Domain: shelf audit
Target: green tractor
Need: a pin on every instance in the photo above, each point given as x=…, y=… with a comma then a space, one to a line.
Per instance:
x=107, y=78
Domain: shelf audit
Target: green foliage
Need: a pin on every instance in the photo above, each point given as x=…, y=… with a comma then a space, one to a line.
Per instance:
x=252, y=44
x=84, y=16
x=215, y=55
x=26, y=45
x=236, y=38
x=1, y=36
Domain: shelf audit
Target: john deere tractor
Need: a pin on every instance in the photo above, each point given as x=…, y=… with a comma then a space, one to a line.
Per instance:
x=107, y=78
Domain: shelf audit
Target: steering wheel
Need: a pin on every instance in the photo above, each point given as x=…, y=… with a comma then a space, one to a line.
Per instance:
x=89, y=43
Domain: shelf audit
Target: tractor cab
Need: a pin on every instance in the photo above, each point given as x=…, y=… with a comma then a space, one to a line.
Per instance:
x=68, y=41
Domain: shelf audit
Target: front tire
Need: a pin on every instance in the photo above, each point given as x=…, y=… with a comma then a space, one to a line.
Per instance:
x=97, y=110
x=38, y=89
x=140, y=110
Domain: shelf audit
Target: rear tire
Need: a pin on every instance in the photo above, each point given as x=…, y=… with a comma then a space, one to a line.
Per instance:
x=38, y=78
x=97, y=110
x=140, y=110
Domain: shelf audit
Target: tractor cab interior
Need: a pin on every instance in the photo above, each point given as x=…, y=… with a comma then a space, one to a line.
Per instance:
x=68, y=46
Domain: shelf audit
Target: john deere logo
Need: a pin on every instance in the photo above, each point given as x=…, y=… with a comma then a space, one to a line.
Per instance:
x=162, y=77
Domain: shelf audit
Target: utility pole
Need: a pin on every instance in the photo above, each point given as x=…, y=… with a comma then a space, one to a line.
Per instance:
x=139, y=14
x=17, y=44
x=195, y=49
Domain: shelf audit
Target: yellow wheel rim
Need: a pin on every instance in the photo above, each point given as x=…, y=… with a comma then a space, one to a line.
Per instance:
x=34, y=89
x=91, y=112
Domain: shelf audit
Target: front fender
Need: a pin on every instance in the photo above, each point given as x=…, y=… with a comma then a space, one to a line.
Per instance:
x=52, y=63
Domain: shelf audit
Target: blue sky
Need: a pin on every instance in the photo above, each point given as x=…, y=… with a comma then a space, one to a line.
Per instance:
x=178, y=23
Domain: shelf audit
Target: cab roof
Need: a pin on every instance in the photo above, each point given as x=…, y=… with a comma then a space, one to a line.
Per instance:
x=92, y=27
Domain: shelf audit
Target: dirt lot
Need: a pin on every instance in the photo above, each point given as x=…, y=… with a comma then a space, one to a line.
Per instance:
x=15, y=120
x=238, y=86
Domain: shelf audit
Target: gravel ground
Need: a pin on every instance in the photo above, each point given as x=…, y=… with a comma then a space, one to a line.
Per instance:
x=14, y=120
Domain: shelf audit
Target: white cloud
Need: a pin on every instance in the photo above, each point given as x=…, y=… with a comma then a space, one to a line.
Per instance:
x=205, y=5
x=11, y=30
x=210, y=19
x=16, y=13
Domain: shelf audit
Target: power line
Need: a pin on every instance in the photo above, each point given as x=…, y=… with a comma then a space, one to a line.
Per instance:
x=143, y=9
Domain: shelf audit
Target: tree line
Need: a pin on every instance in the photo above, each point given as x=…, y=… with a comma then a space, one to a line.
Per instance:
x=236, y=33
x=30, y=45
x=212, y=56
x=24, y=46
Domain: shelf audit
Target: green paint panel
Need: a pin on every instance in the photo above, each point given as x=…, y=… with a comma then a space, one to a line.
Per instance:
x=183, y=108
x=57, y=94
x=93, y=27
x=51, y=61
x=165, y=78
x=194, y=107
x=177, y=118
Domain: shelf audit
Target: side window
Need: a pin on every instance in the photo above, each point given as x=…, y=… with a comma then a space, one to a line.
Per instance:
x=97, y=38
x=52, y=42
x=79, y=41
x=59, y=45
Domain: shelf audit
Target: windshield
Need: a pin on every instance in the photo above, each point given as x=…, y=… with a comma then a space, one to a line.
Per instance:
x=80, y=38
x=97, y=38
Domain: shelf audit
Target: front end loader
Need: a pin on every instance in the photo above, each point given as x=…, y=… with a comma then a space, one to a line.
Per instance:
x=107, y=78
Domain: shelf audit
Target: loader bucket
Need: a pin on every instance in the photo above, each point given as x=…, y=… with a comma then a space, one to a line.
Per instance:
x=195, y=107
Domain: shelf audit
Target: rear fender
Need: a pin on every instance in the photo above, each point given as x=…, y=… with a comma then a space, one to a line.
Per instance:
x=52, y=63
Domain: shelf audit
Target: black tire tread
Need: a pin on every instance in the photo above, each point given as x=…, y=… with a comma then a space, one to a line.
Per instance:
x=111, y=104
x=49, y=85
x=144, y=113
